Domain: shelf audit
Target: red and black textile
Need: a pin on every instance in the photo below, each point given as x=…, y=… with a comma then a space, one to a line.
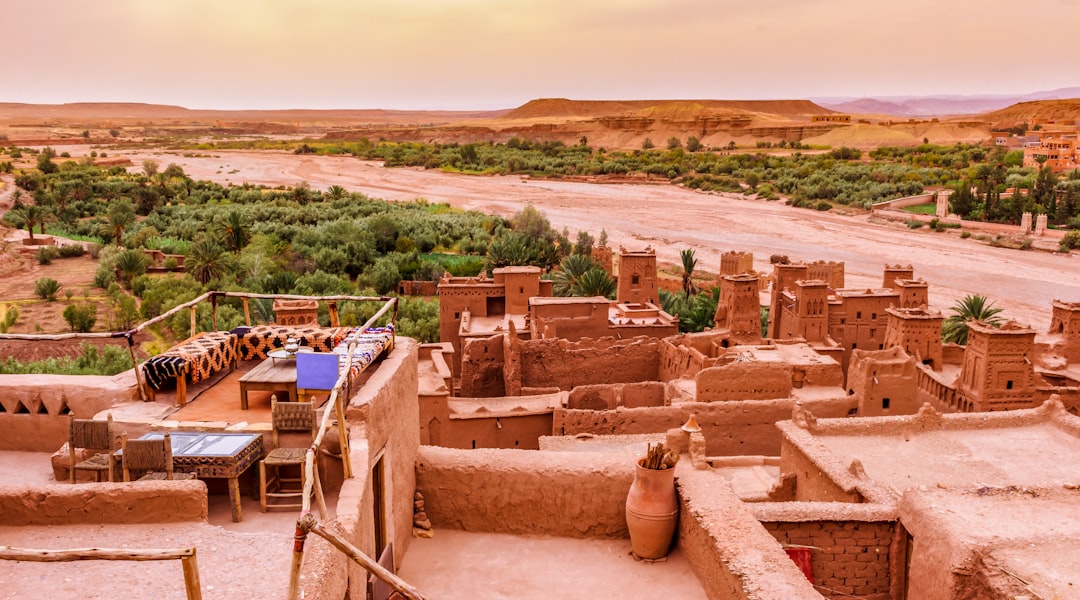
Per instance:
x=199, y=356
x=261, y=339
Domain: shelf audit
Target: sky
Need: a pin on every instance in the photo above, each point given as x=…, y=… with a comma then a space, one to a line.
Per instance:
x=489, y=54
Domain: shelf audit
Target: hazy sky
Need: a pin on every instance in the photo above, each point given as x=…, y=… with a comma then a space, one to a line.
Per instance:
x=458, y=54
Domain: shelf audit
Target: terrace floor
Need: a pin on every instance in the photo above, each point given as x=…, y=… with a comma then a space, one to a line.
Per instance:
x=466, y=565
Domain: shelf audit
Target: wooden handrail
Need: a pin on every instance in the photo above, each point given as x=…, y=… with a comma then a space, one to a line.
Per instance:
x=186, y=556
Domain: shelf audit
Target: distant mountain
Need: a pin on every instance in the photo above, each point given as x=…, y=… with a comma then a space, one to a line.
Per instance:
x=927, y=106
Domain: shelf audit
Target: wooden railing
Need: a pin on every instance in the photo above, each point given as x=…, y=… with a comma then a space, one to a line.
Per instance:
x=307, y=521
x=186, y=556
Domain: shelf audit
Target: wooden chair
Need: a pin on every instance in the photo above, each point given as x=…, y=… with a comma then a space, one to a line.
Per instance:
x=152, y=456
x=91, y=435
x=286, y=416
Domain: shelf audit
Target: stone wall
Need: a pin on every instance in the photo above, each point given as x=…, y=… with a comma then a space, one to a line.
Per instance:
x=35, y=409
x=567, y=365
x=733, y=557
x=107, y=503
x=731, y=428
x=849, y=558
x=520, y=492
x=382, y=417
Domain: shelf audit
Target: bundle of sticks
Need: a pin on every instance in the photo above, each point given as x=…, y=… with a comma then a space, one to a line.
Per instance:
x=659, y=458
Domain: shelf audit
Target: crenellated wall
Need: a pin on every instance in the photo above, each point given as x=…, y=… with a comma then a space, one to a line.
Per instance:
x=35, y=409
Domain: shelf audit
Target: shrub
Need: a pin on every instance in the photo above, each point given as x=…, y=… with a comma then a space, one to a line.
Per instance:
x=913, y=224
x=1026, y=244
x=47, y=288
x=1070, y=241
x=8, y=316
x=81, y=317
x=109, y=360
x=46, y=254
x=965, y=235
x=822, y=205
x=71, y=250
x=104, y=278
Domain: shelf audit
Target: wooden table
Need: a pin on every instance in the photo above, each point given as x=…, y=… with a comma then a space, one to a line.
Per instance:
x=215, y=456
x=272, y=374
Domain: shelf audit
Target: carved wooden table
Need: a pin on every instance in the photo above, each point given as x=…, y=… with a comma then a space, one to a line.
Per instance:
x=215, y=456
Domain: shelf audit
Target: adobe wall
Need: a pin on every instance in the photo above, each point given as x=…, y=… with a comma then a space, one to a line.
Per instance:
x=744, y=381
x=731, y=428
x=382, y=417
x=813, y=484
x=106, y=503
x=36, y=408
x=849, y=558
x=482, y=367
x=607, y=397
x=522, y=432
x=733, y=556
x=566, y=494
x=566, y=365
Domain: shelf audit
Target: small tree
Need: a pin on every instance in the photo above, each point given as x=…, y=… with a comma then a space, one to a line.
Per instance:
x=693, y=144
x=647, y=143
x=81, y=317
x=673, y=143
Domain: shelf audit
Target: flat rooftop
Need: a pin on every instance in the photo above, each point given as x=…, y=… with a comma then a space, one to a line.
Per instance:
x=466, y=565
x=1029, y=455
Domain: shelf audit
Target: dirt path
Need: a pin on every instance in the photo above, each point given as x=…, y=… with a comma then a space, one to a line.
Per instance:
x=670, y=218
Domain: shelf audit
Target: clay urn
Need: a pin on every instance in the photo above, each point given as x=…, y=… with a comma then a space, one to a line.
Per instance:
x=652, y=510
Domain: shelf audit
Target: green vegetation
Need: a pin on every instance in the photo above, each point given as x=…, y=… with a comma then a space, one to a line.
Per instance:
x=47, y=288
x=972, y=307
x=108, y=360
x=922, y=209
x=841, y=176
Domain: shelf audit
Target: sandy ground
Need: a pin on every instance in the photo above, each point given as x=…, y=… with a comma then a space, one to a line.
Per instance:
x=671, y=218
x=463, y=565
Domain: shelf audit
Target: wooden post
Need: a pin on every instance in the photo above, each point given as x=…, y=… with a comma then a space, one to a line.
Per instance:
x=334, y=321
x=135, y=363
x=247, y=312
x=192, y=309
x=319, y=498
x=400, y=585
x=186, y=556
x=303, y=525
x=191, y=576
x=343, y=433
x=213, y=311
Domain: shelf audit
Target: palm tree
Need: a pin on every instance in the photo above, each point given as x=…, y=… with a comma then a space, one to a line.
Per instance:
x=567, y=279
x=336, y=192
x=972, y=307
x=689, y=263
x=208, y=260
x=596, y=282
x=32, y=216
x=237, y=233
x=121, y=214
x=130, y=264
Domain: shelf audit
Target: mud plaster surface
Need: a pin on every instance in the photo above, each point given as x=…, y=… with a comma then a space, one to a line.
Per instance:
x=1024, y=456
x=671, y=218
x=231, y=564
x=463, y=565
